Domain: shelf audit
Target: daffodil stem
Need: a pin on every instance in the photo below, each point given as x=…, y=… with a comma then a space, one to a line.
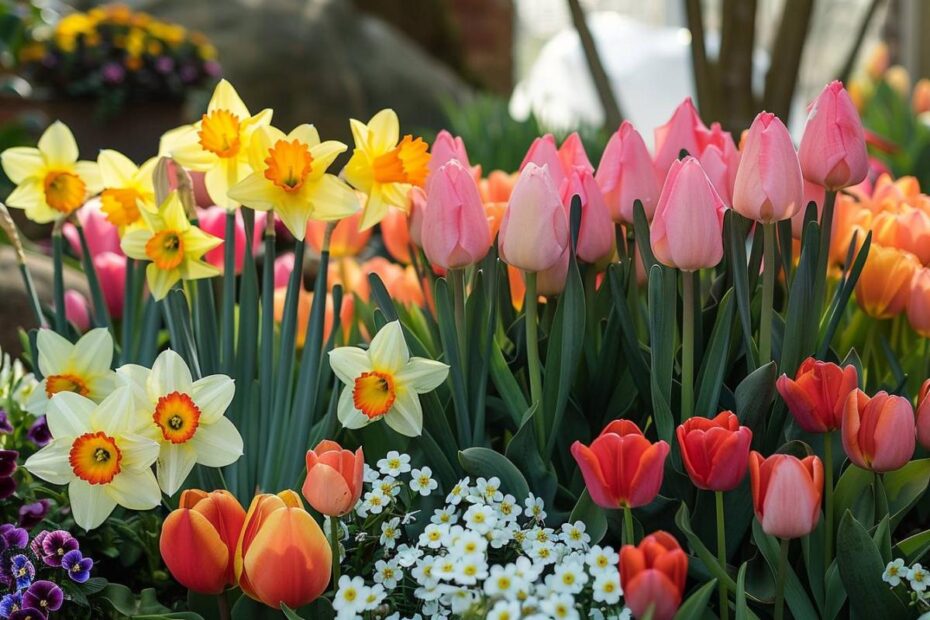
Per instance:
x=129, y=312
x=722, y=553
x=334, y=541
x=768, y=295
x=458, y=299
x=629, y=534
x=687, y=345
x=828, y=499
x=780, y=579
x=58, y=280
x=227, y=353
x=532, y=359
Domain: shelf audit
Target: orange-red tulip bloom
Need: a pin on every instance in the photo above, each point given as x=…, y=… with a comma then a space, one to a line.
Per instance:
x=334, y=478
x=878, y=432
x=884, y=285
x=715, y=451
x=653, y=576
x=786, y=493
x=817, y=394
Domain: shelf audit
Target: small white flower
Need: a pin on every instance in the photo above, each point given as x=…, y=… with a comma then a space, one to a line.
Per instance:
x=501, y=581
x=390, y=532
x=574, y=535
x=421, y=481
x=543, y=552
x=394, y=464
x=432, y=536
x=481, y=519
x=504, y=610
x=560, y=606
x=602, y=559
x=370, y=475
x=488, y=490
x=918, y=577
x=388, y=486
x=470, y=570
x=607, y=589
x=373, y=597
x=509, y=509
x=350, y=594
x=534, y=507
x=469, y=545
x=893, y=572
x=458, y=492
x=445, y=515
x=459, y=599
x=625, y=614
x=568, y=577
x=375, y=501
x=407, y=555
x=388, y=573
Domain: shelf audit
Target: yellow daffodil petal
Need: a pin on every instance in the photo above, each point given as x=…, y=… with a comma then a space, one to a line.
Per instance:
x=54, y=350
x=133, y=243
x=323, y=154
x=307, y=134
x=376, y=208
x=160, y=281
x=183, y=145
x=388, y=350
x=57, y=145
x=197, y=269
x=116, y=170
x=383, y=131
x=197, y=242
x=21, y=162
x=173, y=215
x=293, y=212
x=254, y=192
x=225, y=97
x=93, y=353
x=89, y=172
x=332, y=199
x=170, y=374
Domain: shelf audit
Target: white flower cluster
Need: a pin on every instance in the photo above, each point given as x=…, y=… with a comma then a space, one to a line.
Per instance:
x=482, y=554
x=15, y=383
x=915, y=577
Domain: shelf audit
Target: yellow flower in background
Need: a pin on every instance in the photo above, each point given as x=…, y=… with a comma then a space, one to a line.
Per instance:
x=218, y=143
x=127, y=188
x=384, y=166
x=50, y=181
x=289, y=177
x=173, y=246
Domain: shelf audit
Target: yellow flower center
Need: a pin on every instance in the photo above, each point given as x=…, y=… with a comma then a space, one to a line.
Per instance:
x=121, y=206
x=95, y=458
x=64, y=191
x=405, y=163
x=166, y=249
x=374, y=393
x=219, y=133
x=288, y=163
x=65, y=383
x=177, y=416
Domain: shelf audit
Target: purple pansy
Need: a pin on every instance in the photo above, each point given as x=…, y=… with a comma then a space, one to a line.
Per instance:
x=38, y=433
x=5, y=426
x=44, y=596
x=10, y=604
x=7, y=468
x=13, y=537
x=30, y=515
x=77, y=565
x=36, y=545
x=22, y=571
x=27, y=613
x=56, y=545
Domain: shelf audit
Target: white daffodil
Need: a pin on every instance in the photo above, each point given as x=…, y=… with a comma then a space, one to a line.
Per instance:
x=100, y=452
x=82, y=368
x=184, y=416
x=384, y=381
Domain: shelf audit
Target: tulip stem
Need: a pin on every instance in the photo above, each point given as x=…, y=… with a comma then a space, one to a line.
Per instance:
x=629, y=535
x=532, y=359
x=768, y=295
x=222, y=605
x=458, y=299
x=687, y=345
x=780, y=579
x=722, y=553
x=828, y=498
x=334, y=541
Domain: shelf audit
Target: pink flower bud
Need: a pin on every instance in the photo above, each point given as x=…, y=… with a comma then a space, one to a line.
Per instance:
x=572, y=154
x=596, y=235
x=832, y=150
x=534, y=231
x=543, y=153
x=683, y=131
x=455, y=227
x=77, y=310
x=768, y=182
x=720, y=160
x=626, y=174
x=111, y=271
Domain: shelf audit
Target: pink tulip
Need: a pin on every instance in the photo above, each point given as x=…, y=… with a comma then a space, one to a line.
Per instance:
x=534, y=231
x=879, y=433
x=832, y=150
x=101, y=235
x=543, y=153
x=77, y=310
x=811, y=193
x=283, y=267
x=720, y=159
x=111, y=271
x=417, y=200
x=213, y=220
x=572, y=154
x=786, y=493
x=455, y=227
x=626, y=174
x=683, y=131
x=768, y=182
x=445, y=148
x=923, y=415
x=687, y=231
x=552, y=281
x=596, y=235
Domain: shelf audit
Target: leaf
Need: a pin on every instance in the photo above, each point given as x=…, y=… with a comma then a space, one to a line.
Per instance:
x=797, y=599
x=631, y=348
x=450, y=347
x=250, y=609
x=904, y=487
x=914, y=547
x=487, y=463
x=853, y=492
x=506, y=384
x=735, y=236
x=799, y=328
x=753, y=396
x=835, y=595
x=523, y=451
x=683, y=521
x=663, y=327
x=696, y=605
x=742, y=610
x=591, y=515
x=714, y=366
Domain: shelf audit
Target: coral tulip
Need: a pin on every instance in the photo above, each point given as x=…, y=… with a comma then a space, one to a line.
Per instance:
x=923, y=415
x=395, y=232
x=720, y=160
x=918, y=303
x=334, y=478
x=653, y=576
x=906, y=228
x=687, y=231
x=832, y=151
x=768, y=182
x=817, y=394
x=878, y=432
x=884, y=285
x=455, y=227
x=346, y=239
x=534, y=231
x=542, y=152
x=715, y=451
x=786, y=493
x=626, y=174
x=198, y=540
x=596, y=234
x=282, y=555
x=683, y=132
x=621, y=468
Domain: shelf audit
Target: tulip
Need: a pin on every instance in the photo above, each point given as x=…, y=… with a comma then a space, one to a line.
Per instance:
x=334, y=478
x=811, y=192
x=572, y=154
x=542, y=152
x=282, y=555
x=596, y=234
x=653, y=576
x=905, y=228
x=395, y=232
x=817, y=395
x=534, y=231
x=346, y=238
x=551, y=282
x=304, y=305
x=213, y=220
x=416, y=199
x=720, y=159
x=923, y=415
x=920, y=98
x=687, y=231
x=832, y=151
x=878, y=61
x=111, y=271
x=884, y=285
x=899, y=79
x=684, y=131
x=768, y=182
x=445, y=148
x=786, y=493
x=715, y=451
x=100, y=234
x=918, y=303
x=879, y=432
x=455, y=228
x=401, y=282
x=198, y=540
x=626, y=174
x=77, y=310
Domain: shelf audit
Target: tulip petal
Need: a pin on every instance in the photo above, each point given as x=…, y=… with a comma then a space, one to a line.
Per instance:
x=193, y=551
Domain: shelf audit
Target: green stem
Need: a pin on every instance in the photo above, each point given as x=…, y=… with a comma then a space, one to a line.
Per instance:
x=722, y=553
x=828, y=498
x=222, y=605
x=823, y=257
x=58, y=280
x=768, y=294
x=227, y=342
x=532, y=358
x=334, y=541
x=629, y=534
x=687, y=345
x=780, y=579
x=458, y=299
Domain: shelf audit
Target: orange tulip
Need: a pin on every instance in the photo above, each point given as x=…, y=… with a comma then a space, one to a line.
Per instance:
x=878, y=432
x=920, y=98
x=346, y=240
x=923, y=415
x=395, y=232
x=849, y=218
x=334, y=478
x=885, y=282
x=905, y=228
x=918, y=304
x=282, y=555
x=653, y=575
x=198, y=540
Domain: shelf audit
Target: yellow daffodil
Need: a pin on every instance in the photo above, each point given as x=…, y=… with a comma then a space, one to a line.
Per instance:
x=100, y=453
x=384, y=166
x=82, y=368
x=218, y=143
x=127, y=188
x=173, y=246
x=50, y=181
x=289, y=176
x=184, y=416
x=384, y=381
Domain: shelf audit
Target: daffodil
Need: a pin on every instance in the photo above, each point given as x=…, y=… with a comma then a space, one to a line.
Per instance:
x=184, y=416
x=174, y=246
x=100, y=453
x=384, y=166
x=289, y=176
x=50, y=181
x=384, y=381
x=82, y=368
x=218, y=143
x=127, y=188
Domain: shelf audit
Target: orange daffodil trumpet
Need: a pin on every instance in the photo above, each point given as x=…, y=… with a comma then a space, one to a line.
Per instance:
x=384, y=381
x=82, y=368
x=50, y=181
x=127, y=189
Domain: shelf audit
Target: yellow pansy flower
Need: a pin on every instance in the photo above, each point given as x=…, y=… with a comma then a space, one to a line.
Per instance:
x=384, y=166
x=289, y=176
x=173, y=246
x=218, y=143
x=50, y=181
x=127, y=188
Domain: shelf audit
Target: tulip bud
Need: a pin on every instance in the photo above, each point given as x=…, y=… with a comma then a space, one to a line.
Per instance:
x=923, y=415
x=626, y=174
x=878, y=60
x=905, y=228
x=684, y=131
x=720, y=160
x=653, y=576
x=621, y=468
x=687, y=231
x=920, y=99
x=552, y=281
x=543, y=153
x=884, y=284
x=768, y=182
x=596, y=234
x=811, y=192
x=715, y=451
x=417, y=205
x=832, y=151
x=918, y=303
x=786, y=493
x=212, y=220
x=455, y=227
x=334, y=478
x=572, y=154
x=534, y=231
x=817, y=394
x=346, y=238
x=878, y=432
x=899, y=79
x=77, y=310
x=111, y=271
x=447, y=147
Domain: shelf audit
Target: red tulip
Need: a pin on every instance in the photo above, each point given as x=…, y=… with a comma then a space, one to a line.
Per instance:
x=653, y=576
x=334, y=478
x=768, y=182
x=923, y=415
x=817, y=394
x=715, y=451
x=878, y=432
x=832, y=150
x=626, y=174
x=786, y=493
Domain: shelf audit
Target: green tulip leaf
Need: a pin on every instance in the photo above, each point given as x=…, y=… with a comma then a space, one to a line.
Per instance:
x=487, y=463
x=591, y=515
x=795, y=595
x=696, y=604
x=905, y=487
